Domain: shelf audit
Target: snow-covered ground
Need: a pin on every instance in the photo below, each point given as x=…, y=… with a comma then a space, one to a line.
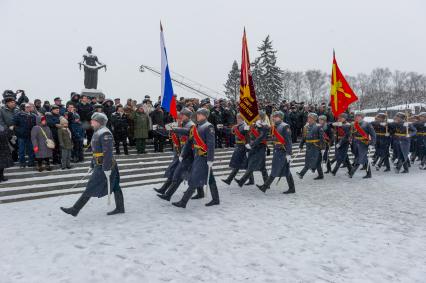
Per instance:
x=334, y=230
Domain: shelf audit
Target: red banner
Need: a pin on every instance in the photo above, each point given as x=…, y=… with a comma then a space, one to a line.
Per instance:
x=248, y=102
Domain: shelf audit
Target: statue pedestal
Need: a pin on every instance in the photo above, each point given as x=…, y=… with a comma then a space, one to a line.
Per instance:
x=93, y=93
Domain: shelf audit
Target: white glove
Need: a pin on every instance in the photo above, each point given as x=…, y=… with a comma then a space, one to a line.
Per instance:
x=338, y=145
x=154, y=127
x=246, y=127
x=387, y=135
x=11, y=128
x=289, y=158
x=220, y=126
x=337, y=124
x=107, y=173
x=259, y=123
x=383, y=124
x=371, y=147
x=180, y=158
x=90, y=170
x=406, y=124
x=248, y=146
x=210, y=163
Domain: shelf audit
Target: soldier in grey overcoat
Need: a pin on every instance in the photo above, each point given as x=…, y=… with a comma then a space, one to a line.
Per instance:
x=313, y=137
x=103, y=167
x=281, y=135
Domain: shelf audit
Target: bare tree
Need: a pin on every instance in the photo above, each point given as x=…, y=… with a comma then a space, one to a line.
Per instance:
x=298, y=87
x=315, y=82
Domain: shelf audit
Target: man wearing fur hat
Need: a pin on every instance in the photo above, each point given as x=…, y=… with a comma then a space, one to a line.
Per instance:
x=281, y=134
x=202, y=145
x=363, y=136
x=381, y=153
x=105, y=175
x=403, y=131
x=313, y=137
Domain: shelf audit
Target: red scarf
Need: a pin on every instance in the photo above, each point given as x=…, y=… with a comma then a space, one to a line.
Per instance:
x=239, y=135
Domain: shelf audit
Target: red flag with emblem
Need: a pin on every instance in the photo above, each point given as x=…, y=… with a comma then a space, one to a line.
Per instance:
x=248, y=102
x=341, y=93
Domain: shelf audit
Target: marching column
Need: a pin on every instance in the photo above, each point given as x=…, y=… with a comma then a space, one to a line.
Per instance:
x=103, y=167
x=381, y=153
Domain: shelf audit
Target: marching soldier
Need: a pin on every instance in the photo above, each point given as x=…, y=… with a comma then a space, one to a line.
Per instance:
x=313, y=136
x=281, y=134
x=381, y=154
x=363, y=137
x=257, y=149
x=328, y=141
x=202, y=138
x=105, y=174
x=421, y=139
x=181, y=171
x=402, y=133
x=239, y=156
x=343, y=135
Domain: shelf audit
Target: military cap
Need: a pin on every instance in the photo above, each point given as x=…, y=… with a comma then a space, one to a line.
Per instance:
x=313, y=115
x=400, y=115
x=279, y=114
x=381, y=115
x=359, y=113
x=186, y=111
x=322, y=117
x=54, y=106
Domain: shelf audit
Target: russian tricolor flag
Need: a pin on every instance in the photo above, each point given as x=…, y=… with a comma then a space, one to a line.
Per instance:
x=168, y=101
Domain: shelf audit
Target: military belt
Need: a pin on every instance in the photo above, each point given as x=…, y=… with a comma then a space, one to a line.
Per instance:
x=421, y=134
x=312, y=141
x=240, y=142
x=400, y=135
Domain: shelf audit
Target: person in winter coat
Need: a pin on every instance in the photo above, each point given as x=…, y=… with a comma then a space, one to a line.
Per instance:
x=22, y=97
x=66, y=144
x=109, y=108
x=6, y=160
x=129, y=109
x=39, y=136
x=157, y=117
x=52, y=119
x=141, y=122
x=8, y=111
x=77, y=134
x=58, y=102
x=120, y=128
x=24, y=121
x=85, y=110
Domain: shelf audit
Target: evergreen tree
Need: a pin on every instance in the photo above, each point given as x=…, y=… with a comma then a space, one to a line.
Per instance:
x=267, y=75
x=232, y=85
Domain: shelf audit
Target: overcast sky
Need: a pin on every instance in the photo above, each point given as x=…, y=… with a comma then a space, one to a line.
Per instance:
x=42, y=41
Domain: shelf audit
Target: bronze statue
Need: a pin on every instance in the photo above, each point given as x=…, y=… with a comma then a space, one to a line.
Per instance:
x=91, y=66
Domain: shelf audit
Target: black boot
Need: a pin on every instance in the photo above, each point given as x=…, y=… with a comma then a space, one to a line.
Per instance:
x=250, y=180
x=230, y=177
x=75, y=209
x=320, y=173
x=291, y=187
x=214, y=192
x=2, y=177
x=266, y=185
x=119, y=203
x=186, y=196
x=405, y=165
x=264, y=174
x=244, y=178
x=164, y=187
x=328, y=163
x=353, y=170
x=170, y=191
x=368, y=175
x=200, y=193
x=334, y=171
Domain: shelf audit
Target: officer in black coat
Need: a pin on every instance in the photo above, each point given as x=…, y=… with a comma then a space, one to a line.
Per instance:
x=313, y=136
x=179, y=168
x=239, y=156
x=103, y=167
x=403, y=131
x=363, y=136
x=328, y=141
x=120, y=128
x=281, y=135
x=202, y=144
x=259, y=132
x=381, y=153
x=343, y=136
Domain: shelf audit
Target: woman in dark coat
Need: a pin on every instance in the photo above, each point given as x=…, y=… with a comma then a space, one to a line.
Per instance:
x=39, y=134
x=6, y=160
